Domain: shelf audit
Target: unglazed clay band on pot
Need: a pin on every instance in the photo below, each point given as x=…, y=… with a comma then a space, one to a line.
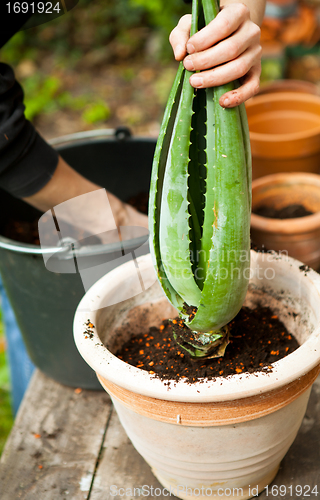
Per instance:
x=211, y=414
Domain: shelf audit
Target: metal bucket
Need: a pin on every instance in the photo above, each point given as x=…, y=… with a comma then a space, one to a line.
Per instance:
x=44, y=302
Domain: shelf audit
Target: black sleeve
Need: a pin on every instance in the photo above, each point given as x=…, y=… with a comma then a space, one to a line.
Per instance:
x=27, y=162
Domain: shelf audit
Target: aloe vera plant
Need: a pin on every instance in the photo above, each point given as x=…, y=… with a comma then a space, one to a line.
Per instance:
x=200, y=204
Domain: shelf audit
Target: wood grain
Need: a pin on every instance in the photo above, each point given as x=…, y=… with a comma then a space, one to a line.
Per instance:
x=78, y=442
x=53, y=447
x=121, y=466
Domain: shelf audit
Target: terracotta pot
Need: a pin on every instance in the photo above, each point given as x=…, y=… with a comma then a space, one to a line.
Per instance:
x=213, y=436
x=282, y=2
x=284, y=133
x=300, y=237
x=289, y=86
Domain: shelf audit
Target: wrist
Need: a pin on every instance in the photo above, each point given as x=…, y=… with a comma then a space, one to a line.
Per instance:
x=256, y=8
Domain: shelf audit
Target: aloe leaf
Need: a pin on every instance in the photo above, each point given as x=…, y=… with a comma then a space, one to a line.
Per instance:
x=157, y=176
x=174, y=221
x=247, y=148
x=200, y=206
x=210, y=9
x=227, y=275
x=209, y=210
x=174, y=224
x=196, y=180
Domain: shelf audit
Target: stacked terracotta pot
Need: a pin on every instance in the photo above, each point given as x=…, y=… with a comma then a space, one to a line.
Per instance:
x=284, y=123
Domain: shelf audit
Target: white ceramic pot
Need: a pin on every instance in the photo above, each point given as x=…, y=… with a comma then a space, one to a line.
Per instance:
x=222, y=438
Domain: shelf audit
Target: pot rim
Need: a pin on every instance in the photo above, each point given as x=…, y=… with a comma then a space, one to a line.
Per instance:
x=282, y=97
x=286, y=226
x=289, y=85
x=238, y=386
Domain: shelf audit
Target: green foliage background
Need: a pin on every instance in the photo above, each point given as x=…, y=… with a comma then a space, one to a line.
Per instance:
x=92, y=29
x=95, y=23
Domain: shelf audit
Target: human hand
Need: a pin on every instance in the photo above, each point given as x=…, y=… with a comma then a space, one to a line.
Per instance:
x=227, y=49
x=93, y=218
x=84, y=210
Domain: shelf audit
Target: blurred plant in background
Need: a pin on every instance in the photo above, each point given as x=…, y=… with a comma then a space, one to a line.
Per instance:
x=161, y=15
x=86, y=68
x=6, y=418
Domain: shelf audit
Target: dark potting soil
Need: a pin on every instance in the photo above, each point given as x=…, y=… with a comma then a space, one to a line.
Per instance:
x=257, y=339
x=289, y=212
x=27, y=232
x=139, y=202
x=22, y=231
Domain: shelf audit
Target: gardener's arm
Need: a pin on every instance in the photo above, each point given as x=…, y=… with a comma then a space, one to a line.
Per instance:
x=66, y=184
x=225, y=50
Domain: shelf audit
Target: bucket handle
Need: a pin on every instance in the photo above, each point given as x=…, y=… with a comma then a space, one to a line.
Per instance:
x=120, y=133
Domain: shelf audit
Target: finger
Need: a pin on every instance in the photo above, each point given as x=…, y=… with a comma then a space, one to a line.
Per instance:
x=179, y=37
x=227, y=50
x=227, y=72
x=227, y=22
x=250, y=87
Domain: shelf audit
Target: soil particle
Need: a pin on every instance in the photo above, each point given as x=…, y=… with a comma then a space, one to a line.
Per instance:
x=289, y=212
x=51, y=435
x=305, y=269
x=190, y=311
x=88, y=332
x=260, y=249
x=257, y=339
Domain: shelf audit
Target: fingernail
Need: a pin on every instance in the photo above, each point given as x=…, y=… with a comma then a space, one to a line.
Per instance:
x=190, y=48
x=179, y=51
x=196, y=81
x=226, y=102
x=188, y=64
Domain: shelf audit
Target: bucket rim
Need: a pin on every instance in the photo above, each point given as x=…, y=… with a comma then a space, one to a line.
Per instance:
x=67, y=252
x=121, y=134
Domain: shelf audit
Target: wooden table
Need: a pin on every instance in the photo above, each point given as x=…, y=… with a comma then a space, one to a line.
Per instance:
x=68, y=444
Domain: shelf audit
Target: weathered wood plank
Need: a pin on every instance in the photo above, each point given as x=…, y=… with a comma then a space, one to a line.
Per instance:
x=53, y=448
x=121, y=466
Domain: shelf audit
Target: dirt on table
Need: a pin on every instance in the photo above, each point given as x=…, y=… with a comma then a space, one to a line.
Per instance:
x=257, y=339
x=289, y=212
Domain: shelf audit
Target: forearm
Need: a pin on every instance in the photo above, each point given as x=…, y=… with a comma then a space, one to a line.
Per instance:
x=65, y=184
x=256, y=8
